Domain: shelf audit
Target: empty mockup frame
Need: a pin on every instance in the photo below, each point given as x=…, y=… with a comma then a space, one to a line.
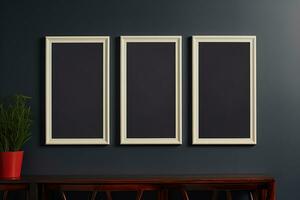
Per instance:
x=224, y=90
x=77, y=90
x=150, y=90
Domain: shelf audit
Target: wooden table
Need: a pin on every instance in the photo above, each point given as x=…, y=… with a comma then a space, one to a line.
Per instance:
x=262, y=187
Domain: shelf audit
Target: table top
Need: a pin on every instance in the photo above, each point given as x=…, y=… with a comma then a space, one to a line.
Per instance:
x=133, y=179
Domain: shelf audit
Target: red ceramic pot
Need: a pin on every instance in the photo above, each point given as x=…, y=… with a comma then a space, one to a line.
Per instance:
x=11, y=164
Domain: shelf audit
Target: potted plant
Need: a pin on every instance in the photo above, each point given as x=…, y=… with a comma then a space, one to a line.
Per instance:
x=15, y=131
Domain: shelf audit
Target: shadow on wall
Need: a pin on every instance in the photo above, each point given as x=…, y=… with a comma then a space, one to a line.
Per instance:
x=42, y=89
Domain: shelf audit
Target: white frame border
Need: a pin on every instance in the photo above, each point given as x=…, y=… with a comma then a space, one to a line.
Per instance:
x=123, y=89
x=224, y=141
x=106, y=116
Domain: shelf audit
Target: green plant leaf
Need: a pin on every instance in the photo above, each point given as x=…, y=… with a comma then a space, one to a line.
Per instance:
x=15, y=123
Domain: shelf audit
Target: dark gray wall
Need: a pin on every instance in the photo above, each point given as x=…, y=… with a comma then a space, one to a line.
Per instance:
x=276, y=24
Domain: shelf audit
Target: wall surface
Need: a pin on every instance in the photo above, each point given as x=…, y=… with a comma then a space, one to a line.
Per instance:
x=24, y=24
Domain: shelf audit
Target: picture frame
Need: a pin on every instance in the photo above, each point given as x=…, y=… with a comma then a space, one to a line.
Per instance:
x=134, y=50
x=241, y=105
x=67, y=58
